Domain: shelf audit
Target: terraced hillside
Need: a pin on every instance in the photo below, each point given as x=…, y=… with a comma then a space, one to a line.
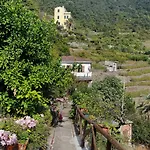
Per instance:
x=135, y=75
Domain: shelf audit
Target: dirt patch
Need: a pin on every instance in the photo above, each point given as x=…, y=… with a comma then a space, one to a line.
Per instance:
x=98, y=75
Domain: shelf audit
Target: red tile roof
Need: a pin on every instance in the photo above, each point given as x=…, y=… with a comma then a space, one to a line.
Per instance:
x=75, y=59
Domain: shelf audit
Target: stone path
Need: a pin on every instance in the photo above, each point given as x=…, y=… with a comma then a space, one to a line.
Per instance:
x=63, y=136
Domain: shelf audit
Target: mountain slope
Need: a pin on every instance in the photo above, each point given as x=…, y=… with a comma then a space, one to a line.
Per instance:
x=98, y=14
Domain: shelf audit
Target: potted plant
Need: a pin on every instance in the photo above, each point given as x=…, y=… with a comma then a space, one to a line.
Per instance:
x=22, y=128
x=24, y=145
x=8, y=140
x=28, y=124
x=31, y=133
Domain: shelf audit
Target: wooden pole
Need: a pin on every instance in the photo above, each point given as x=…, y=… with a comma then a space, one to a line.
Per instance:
x=84, y=135
x=113, y=141
x=108, y=147
x=93, y=144
x=80, y=127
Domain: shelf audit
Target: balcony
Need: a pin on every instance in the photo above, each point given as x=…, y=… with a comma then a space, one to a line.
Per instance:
x=83, y=76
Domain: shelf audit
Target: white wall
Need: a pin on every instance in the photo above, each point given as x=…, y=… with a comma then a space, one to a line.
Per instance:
x=111, y=66
x=87, y=70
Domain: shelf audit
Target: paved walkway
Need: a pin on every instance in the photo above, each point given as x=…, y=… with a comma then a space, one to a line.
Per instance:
x=63, y=136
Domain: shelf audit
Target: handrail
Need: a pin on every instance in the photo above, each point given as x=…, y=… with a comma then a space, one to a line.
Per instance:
x=110, y=139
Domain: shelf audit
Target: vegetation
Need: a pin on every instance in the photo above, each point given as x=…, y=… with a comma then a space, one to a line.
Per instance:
x=141, y=132
x=135, y=72
x=37, y=135
x=138, y=93
x=138, y=83
x=105, y=103
x=30, y=70
x=31, y=5
x=103, y=15
x=29, y=73
x=144, y=78
x=30, y=50
x=109, y=30
x=134, y=65
x=105, y=100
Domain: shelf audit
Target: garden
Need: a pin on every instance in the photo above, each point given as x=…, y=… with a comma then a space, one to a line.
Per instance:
x=107, y=104
x=31, y=76
x=25, y=132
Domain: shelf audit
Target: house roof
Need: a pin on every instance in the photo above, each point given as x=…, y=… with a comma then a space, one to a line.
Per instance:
x=75, y=59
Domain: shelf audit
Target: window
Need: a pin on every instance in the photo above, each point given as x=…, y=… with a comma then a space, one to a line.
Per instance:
x=58, y=10
x=68, y=66
x=80, y=68
x=64, y=17
x=57, y=22
x=57, y=17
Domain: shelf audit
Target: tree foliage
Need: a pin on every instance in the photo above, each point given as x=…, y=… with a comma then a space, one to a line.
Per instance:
x=104, y=100
x=115, y=40
x=31, y=4
x=29, y=75
x=102, y=15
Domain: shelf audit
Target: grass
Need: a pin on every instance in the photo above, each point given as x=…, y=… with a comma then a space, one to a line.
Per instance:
x=99, y=55
x=144, y=78
x=147, y=43
x=134, y=65
x=135, y=73
x=98, y=66
x=138, y=93
x=138, y=83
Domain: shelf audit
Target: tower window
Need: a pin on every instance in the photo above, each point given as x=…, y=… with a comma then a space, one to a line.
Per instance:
x=58, y=10
x=57, y=17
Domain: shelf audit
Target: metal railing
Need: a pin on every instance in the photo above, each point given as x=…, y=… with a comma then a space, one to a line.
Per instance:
x=81, y=123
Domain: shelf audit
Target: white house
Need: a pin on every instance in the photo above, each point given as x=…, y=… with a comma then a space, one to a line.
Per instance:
x=111, y=66
x=83, y=71
x=61, y=16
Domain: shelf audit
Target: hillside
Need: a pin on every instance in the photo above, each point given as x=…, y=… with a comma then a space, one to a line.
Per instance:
x=103, y=30
x=102, y=14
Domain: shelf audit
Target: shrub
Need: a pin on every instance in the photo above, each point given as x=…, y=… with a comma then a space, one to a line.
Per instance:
x=37, y=135
x=148, y=61
x=138, y=57
x=141, y=132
